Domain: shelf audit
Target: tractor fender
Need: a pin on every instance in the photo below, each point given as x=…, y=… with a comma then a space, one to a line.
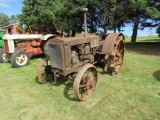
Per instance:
x=109, y=42
x=48, y=36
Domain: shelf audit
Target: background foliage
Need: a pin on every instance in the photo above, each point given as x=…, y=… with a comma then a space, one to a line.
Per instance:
x=102, y=15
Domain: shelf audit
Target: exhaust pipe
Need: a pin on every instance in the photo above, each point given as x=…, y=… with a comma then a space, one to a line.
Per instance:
x=85, y=21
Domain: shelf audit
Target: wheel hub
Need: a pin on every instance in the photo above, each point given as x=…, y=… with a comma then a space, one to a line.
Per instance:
x=85, y=82
x=4, y=56
x=44, y=70
x=21, y=59
x=90, y=82
x=48, y=69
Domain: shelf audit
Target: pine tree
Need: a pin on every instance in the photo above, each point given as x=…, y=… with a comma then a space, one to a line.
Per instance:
x=4, y=20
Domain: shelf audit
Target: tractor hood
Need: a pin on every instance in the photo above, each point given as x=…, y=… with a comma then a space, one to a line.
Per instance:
x=93, y=39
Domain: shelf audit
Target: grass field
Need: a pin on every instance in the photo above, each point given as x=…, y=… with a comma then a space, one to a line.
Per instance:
x=144, y=39
x=132, y=94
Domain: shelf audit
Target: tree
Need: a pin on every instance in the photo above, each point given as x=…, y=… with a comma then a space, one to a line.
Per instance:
x=66, y=15
x=13, y=19
x=35, y=14
x=117, y=13
x=4, y=20
x=70, y=16
x=155, y=21
x=111, y=14
x=158, y=31
x=139, y=11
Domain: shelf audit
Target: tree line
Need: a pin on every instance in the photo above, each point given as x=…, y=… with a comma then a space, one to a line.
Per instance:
x=102, y=15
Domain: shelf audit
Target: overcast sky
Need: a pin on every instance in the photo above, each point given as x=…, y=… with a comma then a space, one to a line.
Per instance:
x=13, y=7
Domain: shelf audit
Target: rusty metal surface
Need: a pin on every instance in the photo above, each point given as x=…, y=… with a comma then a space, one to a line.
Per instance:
x=32, y=44
x=61, y=59
x=76, y=40
x=109, y=42
x=67, y=55
x=61, y=48
x=58, y=61
x=6, y=47
x=68, y=70
x=85, y=21
x=74, y=57
x=85, y=82
x=35, y=43
x=34, y=51
x=44, y=70
x=114, y=62
x=23, y=46
x=31, y=50
x=118, y=58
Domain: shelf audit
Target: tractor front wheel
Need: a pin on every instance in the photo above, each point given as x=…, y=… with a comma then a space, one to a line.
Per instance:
x=3, y=56
x=44, y=70
x=85, y=82
x=20, y=58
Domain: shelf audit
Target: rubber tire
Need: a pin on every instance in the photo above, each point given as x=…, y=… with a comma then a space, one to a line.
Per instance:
x=15, y=54
x=1, y=58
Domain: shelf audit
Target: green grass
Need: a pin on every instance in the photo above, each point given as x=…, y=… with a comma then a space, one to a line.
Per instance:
x=132, y=94
x=144, y=39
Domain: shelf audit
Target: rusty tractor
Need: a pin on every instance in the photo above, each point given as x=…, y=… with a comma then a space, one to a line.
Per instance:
x=75, y=57
x=28, y=45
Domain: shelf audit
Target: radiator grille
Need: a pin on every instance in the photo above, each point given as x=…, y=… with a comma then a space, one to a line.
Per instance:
x=55, y=52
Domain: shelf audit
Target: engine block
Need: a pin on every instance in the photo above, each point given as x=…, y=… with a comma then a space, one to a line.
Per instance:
x=71, y=52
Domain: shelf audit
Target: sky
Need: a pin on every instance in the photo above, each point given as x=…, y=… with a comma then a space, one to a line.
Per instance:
x=13, y=7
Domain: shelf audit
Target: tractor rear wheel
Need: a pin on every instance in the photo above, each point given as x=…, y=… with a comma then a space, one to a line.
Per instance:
x=116, y=59
x=44, y=70
x=3, y=56
x=85, y=82
x=20, y=58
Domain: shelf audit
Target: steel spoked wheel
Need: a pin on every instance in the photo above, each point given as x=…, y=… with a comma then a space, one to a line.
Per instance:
x=3, y=56
x=44, y=69
x=85, y=82
x=20, y=58
x=116, y=60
